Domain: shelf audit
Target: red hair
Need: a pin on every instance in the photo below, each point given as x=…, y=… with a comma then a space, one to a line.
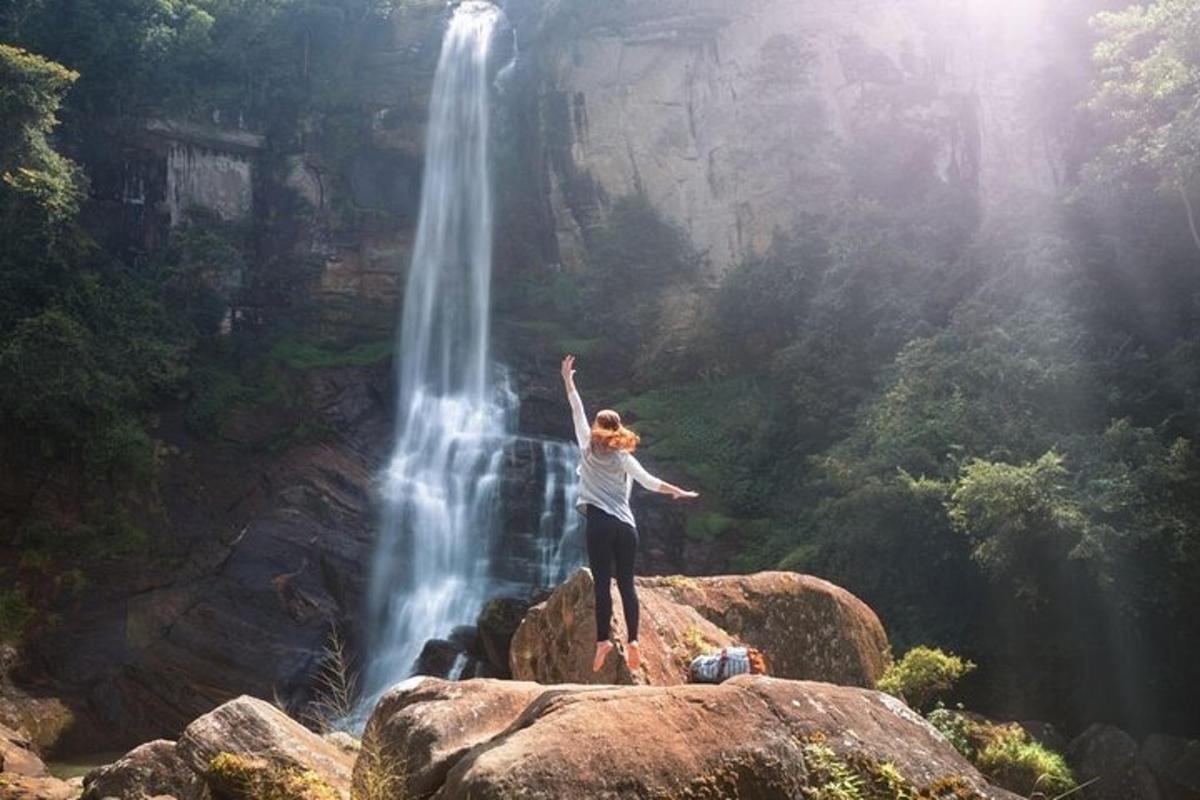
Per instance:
x=609, y=434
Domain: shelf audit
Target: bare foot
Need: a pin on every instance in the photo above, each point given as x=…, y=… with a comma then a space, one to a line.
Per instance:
x=602, y=649
x=633, y=655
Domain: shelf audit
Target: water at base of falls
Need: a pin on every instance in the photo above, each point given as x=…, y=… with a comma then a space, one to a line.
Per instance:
x=434, y=565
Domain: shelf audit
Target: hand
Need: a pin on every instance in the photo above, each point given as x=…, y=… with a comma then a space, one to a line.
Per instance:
x=568, y=369
x=684, y=494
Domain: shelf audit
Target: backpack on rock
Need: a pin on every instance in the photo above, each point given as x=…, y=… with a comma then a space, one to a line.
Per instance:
x=716, y=667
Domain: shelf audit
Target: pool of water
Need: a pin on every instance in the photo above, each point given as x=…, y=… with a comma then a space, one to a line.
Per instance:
x=77, y=766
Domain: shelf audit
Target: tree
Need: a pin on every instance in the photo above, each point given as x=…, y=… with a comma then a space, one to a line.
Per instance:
x=1147, y=98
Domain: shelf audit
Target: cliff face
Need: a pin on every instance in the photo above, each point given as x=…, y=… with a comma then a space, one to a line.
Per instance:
x=732, y=117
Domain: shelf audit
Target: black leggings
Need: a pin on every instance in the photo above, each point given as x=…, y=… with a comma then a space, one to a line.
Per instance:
x=608, y=540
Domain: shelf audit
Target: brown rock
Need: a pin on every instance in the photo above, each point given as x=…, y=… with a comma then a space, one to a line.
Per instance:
x=43, y=719
x=750, y=737
x=421, y=727
x=808, y=628
x=256, y=730
x=17, y=755
x=556, y=641
x=154, y=768
x=21, y=787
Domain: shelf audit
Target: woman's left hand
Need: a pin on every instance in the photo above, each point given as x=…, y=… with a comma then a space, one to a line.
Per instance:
x=568, y=369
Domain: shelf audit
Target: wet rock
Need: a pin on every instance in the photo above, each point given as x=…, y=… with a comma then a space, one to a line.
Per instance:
x=263, y=737
x=750, y=737
x=498, y=621
x=154, y=768
x=808, y=629
x=1110, y=754
x=437, y=658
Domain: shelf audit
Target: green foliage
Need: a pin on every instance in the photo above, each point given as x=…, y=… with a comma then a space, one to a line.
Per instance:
x=1005, y=753
x=852, y=777
x=1147, y=93
x=923, y=675
x=1013, y=760
x=31, y=91
x=303, y=355
x=1019, y=517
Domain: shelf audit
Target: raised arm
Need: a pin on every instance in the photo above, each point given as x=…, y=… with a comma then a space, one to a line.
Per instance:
x=639, y=474
x=583, y=431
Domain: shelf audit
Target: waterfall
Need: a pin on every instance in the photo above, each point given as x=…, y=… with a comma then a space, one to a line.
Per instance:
x=455, y=415
x=560, y=528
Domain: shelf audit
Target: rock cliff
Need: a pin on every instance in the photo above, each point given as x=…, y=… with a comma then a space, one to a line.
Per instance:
x=731, y=117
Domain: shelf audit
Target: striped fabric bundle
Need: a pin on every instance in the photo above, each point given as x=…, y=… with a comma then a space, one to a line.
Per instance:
x=716, y=667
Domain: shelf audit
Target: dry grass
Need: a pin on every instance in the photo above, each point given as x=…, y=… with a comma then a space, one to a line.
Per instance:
x=337, y=687
x=376, y=776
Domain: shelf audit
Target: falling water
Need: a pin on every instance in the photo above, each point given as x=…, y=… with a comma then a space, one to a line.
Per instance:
x=560, y=540
x=455, y=416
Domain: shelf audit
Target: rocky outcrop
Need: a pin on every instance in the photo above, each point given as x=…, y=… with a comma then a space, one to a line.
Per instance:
x=732, y=116
x=276, y=546
x=807, y=628
x=750, y=737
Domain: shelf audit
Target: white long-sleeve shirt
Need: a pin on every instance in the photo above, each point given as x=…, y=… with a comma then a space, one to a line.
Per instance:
x=606, y=477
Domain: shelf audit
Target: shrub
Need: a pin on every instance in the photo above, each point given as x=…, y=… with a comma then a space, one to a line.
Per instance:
x=1004, y=753
x=1015, y=761
x=923, y=674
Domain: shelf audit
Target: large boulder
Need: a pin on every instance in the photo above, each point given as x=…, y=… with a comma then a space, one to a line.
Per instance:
x=808, y=628
x=150, y=770
x=262, y=737
x=750, y=737
x=556, y=641
x=1110, y=755
x=1175, y=763
x=422, y=727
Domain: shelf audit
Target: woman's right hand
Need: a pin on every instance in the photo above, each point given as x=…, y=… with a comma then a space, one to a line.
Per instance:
x=684, y=494
x=568, y=370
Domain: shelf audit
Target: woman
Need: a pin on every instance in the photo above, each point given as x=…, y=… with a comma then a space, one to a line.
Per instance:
x=607, y=470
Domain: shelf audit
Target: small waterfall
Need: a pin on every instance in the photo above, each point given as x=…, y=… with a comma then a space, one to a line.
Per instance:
x=560, y=534
x=454, y=415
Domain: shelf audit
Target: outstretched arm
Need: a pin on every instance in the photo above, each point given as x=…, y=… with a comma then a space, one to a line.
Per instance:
x=583, y=431
x=639, y=474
